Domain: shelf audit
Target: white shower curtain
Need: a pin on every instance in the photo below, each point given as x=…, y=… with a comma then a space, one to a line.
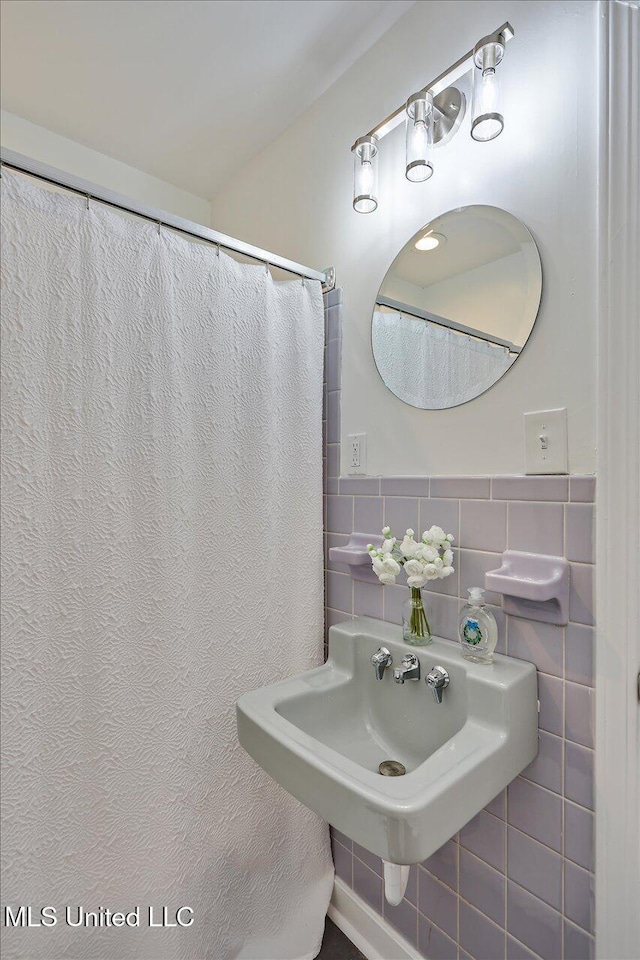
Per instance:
x=162, y=553
x=432, y=367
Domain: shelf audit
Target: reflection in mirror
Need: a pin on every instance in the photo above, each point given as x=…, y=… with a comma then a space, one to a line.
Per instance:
x=456, y=307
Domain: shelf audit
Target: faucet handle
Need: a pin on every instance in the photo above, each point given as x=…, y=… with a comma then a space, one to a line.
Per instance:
x=381, y=659
x=437, y=679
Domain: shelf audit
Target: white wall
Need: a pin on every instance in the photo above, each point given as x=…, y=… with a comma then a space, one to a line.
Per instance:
x=42, y=144
x=295, y=198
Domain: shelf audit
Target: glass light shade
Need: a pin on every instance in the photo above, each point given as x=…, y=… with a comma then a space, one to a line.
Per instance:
x=365, y=175
x=487, y=121
x=419, y=137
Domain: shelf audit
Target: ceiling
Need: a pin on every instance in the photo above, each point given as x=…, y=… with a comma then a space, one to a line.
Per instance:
x=186, y=90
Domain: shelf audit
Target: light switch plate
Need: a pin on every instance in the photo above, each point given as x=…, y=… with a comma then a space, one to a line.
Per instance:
x=545, y=442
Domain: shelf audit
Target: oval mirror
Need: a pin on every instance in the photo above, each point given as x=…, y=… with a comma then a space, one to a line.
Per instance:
x=456, y=307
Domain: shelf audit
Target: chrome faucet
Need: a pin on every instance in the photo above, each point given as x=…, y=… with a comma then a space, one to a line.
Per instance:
x=381, y=660
x=437, y=679
x=408, y=670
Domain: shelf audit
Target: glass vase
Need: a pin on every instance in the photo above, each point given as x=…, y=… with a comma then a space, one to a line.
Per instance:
x=415, y=624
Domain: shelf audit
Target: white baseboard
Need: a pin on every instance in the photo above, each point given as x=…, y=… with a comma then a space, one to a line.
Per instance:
x=366, y=929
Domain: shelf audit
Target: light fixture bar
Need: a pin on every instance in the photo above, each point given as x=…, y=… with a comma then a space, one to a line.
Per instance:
x=453, y=73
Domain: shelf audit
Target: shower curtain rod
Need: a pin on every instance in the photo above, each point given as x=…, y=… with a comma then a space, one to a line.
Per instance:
x=400, y=307
x=24, y=164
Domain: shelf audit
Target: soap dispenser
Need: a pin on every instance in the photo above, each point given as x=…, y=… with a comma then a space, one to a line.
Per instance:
x=478, y=630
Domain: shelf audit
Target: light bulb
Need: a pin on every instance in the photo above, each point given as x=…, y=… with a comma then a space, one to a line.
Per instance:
x=488, y=121
x=419, y=136
x=430, y=242
x=365, y=175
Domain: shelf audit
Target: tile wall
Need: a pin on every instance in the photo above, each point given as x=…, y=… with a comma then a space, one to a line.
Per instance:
x=517, y=881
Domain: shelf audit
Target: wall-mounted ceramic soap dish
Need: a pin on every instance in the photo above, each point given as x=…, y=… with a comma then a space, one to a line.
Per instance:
x=532, y=585
x=355, y=554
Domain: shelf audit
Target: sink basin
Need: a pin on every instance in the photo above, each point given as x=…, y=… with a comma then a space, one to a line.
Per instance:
x=322, y=735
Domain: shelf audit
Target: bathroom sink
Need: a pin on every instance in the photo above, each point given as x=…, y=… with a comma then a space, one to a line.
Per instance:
x=323, y=734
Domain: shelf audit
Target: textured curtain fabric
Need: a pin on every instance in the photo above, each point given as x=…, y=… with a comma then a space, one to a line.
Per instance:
x=162, y=554
x=432, y=367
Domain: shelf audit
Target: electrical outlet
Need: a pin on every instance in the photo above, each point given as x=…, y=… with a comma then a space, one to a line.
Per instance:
x=545, y=442
x=357, y=453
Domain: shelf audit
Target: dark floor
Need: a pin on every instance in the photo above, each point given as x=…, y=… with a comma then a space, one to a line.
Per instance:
x=335, y=946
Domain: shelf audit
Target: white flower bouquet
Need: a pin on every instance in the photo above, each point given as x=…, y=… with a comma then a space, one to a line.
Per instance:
x=423, y=560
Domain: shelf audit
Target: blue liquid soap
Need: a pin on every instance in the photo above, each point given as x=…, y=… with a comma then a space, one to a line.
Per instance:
x=478, y=630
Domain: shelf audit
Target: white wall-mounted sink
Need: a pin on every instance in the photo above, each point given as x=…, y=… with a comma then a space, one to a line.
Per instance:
x=322, y=735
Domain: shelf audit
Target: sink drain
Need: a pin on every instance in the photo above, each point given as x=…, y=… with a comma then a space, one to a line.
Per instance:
x=392, y=768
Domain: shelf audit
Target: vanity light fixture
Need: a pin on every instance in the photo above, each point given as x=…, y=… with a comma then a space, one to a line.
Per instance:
x=434, y=115
x=365, y=174
x=419, y=136
x=487, y=122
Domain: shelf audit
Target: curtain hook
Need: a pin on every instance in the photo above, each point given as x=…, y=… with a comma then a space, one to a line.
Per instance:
x=266, y=266
x=88, y=197
x=218, y=250
x=159, y=225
